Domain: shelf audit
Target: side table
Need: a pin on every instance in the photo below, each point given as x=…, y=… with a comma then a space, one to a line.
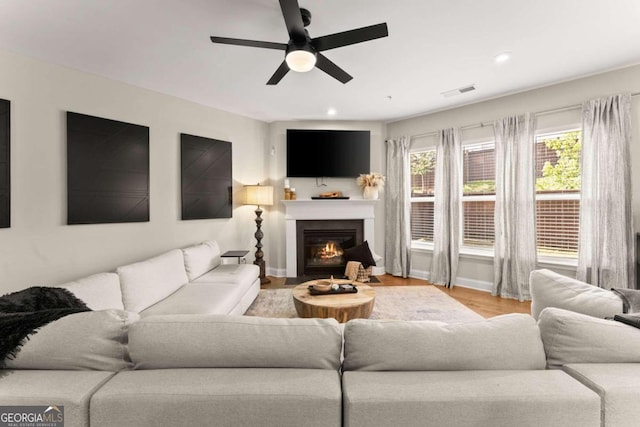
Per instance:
x=236, y=254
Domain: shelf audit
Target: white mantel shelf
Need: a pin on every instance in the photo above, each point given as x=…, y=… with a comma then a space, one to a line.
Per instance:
x=326, y=209
x=329, y=209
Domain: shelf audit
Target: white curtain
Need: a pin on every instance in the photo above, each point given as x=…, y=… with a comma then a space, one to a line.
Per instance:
x=515, y=226
x=398, y=208
x=447, y=206
x=605, y=254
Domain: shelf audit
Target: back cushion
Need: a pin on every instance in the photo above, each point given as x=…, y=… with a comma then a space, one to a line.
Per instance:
x=227, y=341
x=550, y=289
x=147, y=282
x=571, y=337
x=99, y=291
x=510, y=341
x=199, y=259
x=94, y=340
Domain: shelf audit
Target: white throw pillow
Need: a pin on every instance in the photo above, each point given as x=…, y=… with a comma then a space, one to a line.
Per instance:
x=377, y=345
x=201, y=258
x=147, y=282
x=550, y=289
x=571, y=337
x=99, y=291
x=94, y=340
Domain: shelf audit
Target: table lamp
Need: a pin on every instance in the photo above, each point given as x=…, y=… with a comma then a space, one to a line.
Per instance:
x=259, y=195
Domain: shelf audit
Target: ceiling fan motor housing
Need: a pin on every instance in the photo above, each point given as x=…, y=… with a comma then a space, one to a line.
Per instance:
x=306, y=16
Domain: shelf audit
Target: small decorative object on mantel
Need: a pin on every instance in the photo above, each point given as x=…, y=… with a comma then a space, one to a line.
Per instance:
x=370, y=183
x=331, y=195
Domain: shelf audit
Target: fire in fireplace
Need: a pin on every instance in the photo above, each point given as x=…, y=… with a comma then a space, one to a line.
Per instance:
x=321, y=245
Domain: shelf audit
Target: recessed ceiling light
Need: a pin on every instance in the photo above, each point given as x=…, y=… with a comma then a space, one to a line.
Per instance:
x=502, y=57
x=332, y=111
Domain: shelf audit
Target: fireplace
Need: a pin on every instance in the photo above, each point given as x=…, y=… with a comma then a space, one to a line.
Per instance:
x=321, y=245
x=325, y=210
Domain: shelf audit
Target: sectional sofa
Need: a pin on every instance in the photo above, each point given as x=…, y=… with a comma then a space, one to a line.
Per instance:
x=115, y=367
x=581, y=340
x=190, y=280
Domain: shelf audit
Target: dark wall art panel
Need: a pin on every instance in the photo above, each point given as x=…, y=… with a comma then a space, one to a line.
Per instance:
x=107, y=171
x=206, y=177
x=5, y=160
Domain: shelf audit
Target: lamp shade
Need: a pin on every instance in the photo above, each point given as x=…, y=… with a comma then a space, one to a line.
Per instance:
x=259, y=195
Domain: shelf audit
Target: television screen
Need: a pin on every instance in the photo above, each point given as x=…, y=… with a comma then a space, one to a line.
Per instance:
x=313, y=153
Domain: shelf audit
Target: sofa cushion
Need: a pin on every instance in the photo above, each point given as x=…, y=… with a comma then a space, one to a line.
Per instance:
x=88, y=340
x=436, y=346
x=220, y=397
x=198, y=298
x=550, y=289
x=198, y=259
x=147, y=282
x=71, y=389
x=618, y=386
x=240, y=274
x=99, y=291
x=220, y=341
x=571, y=337
x=468, y=399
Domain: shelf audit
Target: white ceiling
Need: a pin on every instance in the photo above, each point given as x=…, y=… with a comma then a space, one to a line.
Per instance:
x=433, y=46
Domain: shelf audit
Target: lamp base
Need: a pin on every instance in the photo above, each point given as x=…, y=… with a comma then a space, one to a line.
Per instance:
x=263, y=278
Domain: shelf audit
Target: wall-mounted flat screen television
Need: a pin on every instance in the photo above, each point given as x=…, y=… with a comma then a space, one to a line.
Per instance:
x=315, y=153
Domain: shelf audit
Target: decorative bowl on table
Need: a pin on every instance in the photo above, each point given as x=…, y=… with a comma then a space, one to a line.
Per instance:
x=322, y=285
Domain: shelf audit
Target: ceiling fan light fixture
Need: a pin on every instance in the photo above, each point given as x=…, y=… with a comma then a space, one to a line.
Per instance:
x=301, y=60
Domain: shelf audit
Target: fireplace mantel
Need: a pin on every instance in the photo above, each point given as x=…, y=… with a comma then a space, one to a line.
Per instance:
x=303, y=209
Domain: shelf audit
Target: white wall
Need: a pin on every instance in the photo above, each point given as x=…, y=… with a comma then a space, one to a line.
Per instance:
x=40, y=248
x=478, y=271
x=306, y=187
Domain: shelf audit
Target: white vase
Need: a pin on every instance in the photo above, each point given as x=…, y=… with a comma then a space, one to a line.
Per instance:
x=370, y=193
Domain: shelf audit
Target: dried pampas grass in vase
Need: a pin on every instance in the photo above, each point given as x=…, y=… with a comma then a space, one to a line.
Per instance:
x=370, y=183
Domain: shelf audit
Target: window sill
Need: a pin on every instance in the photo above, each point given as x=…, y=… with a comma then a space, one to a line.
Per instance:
x=562, y=263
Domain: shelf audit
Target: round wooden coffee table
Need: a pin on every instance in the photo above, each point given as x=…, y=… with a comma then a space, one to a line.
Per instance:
x=341, y=307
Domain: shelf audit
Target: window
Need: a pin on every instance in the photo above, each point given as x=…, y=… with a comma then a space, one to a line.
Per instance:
x=478, y=194
x=423, y=165
x=558, y=193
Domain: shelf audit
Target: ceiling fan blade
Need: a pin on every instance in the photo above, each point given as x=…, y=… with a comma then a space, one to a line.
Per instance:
x=250, y=43
x=326, y=65
x=347, y=38
x=282, y=70
x=293, y=20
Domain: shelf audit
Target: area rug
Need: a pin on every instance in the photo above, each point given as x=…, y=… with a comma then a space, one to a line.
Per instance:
x=392, y=302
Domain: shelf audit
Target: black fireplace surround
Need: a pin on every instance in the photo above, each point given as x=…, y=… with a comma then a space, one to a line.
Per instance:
x=321, y=243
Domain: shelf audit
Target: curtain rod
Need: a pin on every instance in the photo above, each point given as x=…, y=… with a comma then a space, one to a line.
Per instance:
x=537, y=113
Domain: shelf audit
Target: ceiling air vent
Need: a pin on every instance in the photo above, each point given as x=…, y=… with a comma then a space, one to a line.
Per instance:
x=458, y=91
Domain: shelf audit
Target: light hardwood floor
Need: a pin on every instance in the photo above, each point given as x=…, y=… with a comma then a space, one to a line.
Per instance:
x=481, y=302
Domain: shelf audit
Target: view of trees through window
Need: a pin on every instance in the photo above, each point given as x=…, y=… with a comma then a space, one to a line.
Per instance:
x=423, y=166
x=557, y=193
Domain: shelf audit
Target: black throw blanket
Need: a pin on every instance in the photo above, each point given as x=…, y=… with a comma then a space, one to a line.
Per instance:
x=22, y=313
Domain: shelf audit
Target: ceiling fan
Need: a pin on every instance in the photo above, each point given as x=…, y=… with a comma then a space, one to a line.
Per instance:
x=302, y=52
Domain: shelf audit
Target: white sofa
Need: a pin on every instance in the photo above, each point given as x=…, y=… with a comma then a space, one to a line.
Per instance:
x=581, y=339
x=190, y=280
